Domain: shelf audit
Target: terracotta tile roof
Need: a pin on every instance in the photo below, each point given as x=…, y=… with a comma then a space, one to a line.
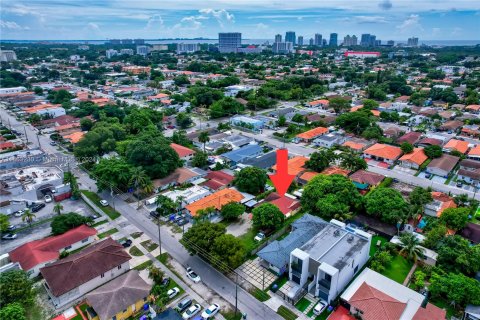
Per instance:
x=39, y=251
x=376, y=113
x=384, y=151
x=459, y=145
x=6, y=145
x=296, y=165
x=218, y=179
x=410, y=137
x=375, y=304
x=215, y=200
x=431, y=141
x=370, y=178
x=446, y=162
x=317, y=102
x=285, y=204
x=356, y=108
x=308, y=175
x=447, y=201
x=179, y=176
x=473, y=107
x=354, y=145
x=74, y=137
x=430, y=312
x=41, y=107
x=418, y=156
x=311, y=134
x=181, y=150
x=335, y=170
x=67, y=126
x=474, y=151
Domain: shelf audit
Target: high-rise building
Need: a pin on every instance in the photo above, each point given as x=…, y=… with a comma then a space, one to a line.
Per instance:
x=115, y=41
x=278, y=38
x=300, y=40
x=290, y=37
x=282, y=47
x=390, y=43
x=7, y=55
x=187, y=47
x=111, y=53
x=229, y=41
x=368, y=40
x=311, y=42
x=139, y=41
x=159, y=47
x=324, y=42
x=142, y=50
x=318, y=39
x=333, y=40
x=412, y=42
x=350, y=40
x=127, y=41
x=126, y=51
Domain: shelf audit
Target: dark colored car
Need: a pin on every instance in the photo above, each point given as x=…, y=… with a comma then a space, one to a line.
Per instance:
x=182, y=222
x=126, y=243
x=154, y=214
x=184, y=304
x=37, y=207
x=165, y=282
x=177, y=218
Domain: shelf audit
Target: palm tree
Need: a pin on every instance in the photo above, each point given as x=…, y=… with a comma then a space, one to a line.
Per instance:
x=165, y=206
x=411, y=246
x=140, y=180
x=57, y=208
x=28, y=216
x=203, y=138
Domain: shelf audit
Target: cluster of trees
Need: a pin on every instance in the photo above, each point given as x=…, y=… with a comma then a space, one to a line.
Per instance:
x=267, y=216
x=321, y=160
x=251, y=180
x=210, y=241
x=64, y=222
x=361, y=122
x=292, y=88
x=18, y=295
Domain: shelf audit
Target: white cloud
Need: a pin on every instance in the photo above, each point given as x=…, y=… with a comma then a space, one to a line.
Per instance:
x=154, y=22
x=189, y=23
x=11, y=25
x=93, y=26
x=222, y=16
x=412, y=23
x=457, y=31
x=370, y=19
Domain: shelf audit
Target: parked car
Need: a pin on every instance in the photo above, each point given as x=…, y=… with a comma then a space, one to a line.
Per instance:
x=172, y=292
x=154, y=214
x=184, y=304
x=177, y=218
x=319, y=307
x=94, y=216
x=53, y=143
x=37, y=207
x=104, y=202
x=211, y=311
x=125, y=243
x=19, y=213
x=182, y=222
x=192, y=311
x=259, y=237
x=459, y=184
x=48, y=198
x=193, y=276
x=9, y=236
x=428, y=175
x=165, y=282
x=11, y=227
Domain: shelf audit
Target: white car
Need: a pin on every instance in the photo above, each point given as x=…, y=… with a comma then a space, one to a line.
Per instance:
x=48, y=198
x=192, y=311
x=104, y=203
x=259, y=237
x=319, y=307
x=211, y=311
x=193, y=276
x=19, y=213
x=172, y=292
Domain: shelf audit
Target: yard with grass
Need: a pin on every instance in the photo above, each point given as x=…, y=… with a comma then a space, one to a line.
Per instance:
x=230, y=315
x=99, y=223
x=323, y=316
x=303, y=304
x=398, y=269
x=149, y=245
x=134, y=251
x=109, y=211
x=107, y=233
x=260, y=295
x=83, y=307
x=286, y=314
x=172, y=285
x=373, y=246
x=144, y=265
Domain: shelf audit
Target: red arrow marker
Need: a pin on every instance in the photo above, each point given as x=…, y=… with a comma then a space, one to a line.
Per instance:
x=282, y=180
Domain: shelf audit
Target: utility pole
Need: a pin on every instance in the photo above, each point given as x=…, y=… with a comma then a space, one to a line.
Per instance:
x=263, y=278
x=236, y=293
x=26, y=136
x=159, y=236
x=39, y=144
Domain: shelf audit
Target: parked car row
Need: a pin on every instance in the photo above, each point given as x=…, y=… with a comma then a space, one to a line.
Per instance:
x=188, y=309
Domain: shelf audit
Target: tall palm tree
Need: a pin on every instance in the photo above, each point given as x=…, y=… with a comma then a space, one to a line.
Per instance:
x=203, y=138
x=140, y=180
x=57, y=208
x=411, y=246
x=28, y=216
x=165, y=206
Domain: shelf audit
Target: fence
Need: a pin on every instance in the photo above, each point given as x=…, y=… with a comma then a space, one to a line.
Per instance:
x=272, y=238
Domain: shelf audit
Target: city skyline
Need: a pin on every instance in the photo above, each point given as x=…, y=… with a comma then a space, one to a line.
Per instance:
x=95, y=20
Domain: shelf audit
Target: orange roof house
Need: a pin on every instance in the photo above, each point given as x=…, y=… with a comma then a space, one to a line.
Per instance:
x=356, y=108
x=312, y=134
x=320, y=102
x=354, y=145
x=183, y=152
x=74, y=137
x=383, y=152
x=454, y=144
x=414, y=159
x=474, y=153
x=215, y=200
x=307, y=176
x=336, y=170
x=473, y=108
x=441, y=201
x=101, y=102
x=296, y=165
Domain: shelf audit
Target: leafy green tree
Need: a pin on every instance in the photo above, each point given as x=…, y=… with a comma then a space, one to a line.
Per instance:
x=434, y=236
x=419, y=279
x=57, y=208
x=418, y=198
x=183, y=120
x=370, y=104
x=140, y=181
x=455, y=218
x=456, y=288
x=386, y=204
x=34, y=119
x=113, y=173
x=16, y=287
x=349, y=160
x=28, y=216
x=456, y=255
x=251, y=180
x=281, y=121
x=354, y=122
x=267, y=216
x=165, y=205
x=228, y=249
x=181, y=80
x=13, y=311
x=339, y=104
x=4, y=223
x=232, y=210
x=200, y=159
x=406, y=147
x=203, y=137
x=225, y=106
x=201, y=236
x=320, y=160
x=155, y=274
x=62, y=223
x=86, y=124
x=433, y=151
x=380, y=261
x=411, y=246
x=161, y=297
x=330, y=197
x=38, y=90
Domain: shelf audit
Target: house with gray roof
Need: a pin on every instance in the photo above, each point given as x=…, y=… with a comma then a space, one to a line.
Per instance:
x=244, y=153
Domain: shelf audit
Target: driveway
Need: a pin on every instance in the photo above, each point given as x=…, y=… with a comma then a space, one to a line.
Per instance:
x=241, y=227
x=257, y=275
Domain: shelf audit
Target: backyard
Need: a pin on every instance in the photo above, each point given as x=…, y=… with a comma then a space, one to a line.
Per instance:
x=373, y=246
x=398, y=269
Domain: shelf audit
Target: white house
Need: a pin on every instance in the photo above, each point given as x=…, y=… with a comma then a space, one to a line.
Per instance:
x=72, y=277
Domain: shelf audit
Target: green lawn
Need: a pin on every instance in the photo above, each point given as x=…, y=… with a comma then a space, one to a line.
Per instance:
x=144, y=265
x=172, y=285
x=99, y=223
x=134, y=251
x=398, y=269
x=109, y=211
x=279, y=281
x=323, y=316
x=149, y=245
x=303, y=304
x=373, y=246
x=107, y=233
x=230, y=315
x=286, y=314
x=260, y=295
x=247, y=239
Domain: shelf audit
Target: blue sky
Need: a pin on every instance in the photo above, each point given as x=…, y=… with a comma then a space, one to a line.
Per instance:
x=260, y=19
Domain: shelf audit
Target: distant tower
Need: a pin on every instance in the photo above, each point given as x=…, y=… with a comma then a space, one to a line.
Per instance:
x=333, y=40
x=318, y=39
x=290, y=37
x=300, y=40
x=278, y=38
